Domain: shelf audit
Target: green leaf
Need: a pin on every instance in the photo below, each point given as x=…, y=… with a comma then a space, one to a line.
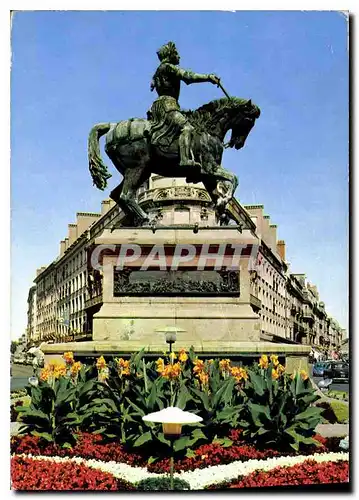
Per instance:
x=147, y=436
x=224, y=394
x=203, y=397
x=99, y=431
x=44, y=435
x=183, y=397
x=36, y=413
x=262, y=431
x=225, y=442
x=151, y=400
x=161, y=437
x=309, y=398
x=151, y=460
x=190, y=453
x=198, y=434
x=182, y=443
x=259, y=413
x=139, y=410
x=309, y=412
x=106, y=401
x=257, y=383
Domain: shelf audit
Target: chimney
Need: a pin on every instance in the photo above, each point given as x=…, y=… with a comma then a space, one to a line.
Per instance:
x=273, y=237
x=72, y=233
x=62, y=247
x=66, y=243
x=39, y=270
x=105, y=206
x=266, y=231
x=256, y=211
x=281, y=249
x=84, y=221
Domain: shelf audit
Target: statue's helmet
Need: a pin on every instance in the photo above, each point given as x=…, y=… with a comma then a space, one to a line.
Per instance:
x=167, y=52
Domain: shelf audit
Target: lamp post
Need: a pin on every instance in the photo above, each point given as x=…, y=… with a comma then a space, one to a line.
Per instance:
x=172, y=419
x=170, y=334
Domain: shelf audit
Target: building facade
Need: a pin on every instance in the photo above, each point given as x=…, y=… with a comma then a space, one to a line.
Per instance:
x=68, y=292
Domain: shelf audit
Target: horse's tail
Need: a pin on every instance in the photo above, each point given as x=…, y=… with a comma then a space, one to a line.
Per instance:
x=98, y=169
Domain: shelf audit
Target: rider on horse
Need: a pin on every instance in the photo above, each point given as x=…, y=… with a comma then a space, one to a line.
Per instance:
x=168, y=122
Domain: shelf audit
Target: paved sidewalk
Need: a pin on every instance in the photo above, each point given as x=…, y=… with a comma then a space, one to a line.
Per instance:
x=333, y=430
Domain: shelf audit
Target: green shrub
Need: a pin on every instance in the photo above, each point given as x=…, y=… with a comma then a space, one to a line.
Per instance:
x=136, y=388
x=55, y=411
x=112, y=397
x=278, y=410
x=162, y=483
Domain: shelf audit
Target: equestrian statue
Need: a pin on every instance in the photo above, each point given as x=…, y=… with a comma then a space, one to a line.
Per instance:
x=173, y=142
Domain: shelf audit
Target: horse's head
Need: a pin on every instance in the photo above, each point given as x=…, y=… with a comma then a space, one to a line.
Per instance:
x=221, y=115
x=243, y=115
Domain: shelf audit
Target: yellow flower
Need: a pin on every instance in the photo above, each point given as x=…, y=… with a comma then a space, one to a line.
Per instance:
x=75, y=368
x=172, y=356
x=101, y=363
x=44, y=374
x=239, y=373
x=160, y=365
x=224, y=365
x=203, y=377
x=280, y=368
x=304, y=374
x=275, y=374
x=182, y=355
x=69, y=358
x=274, y=360
x=171, y=371
x=123, y=367
x=60, y=370
x=263, y=362
x=198, y=365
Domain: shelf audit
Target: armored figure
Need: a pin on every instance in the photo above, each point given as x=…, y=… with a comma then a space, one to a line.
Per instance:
x=172, y=143
x=168, y=122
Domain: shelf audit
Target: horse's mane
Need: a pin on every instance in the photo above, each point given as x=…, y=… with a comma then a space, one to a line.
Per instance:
x=202, y=117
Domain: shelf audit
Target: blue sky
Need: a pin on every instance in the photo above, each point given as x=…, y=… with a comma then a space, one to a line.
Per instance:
x=71, y=70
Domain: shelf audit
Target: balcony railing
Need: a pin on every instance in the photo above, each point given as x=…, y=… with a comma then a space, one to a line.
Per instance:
x=308, y=315
x=93, y=301
x=255, y=302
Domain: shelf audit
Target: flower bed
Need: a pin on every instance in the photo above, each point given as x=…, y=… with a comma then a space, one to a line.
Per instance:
x=28, y=474
x=89, y=446
x=308, y=472
x=222, y=475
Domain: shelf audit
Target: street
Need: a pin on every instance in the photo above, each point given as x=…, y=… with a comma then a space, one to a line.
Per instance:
x=336, y=386
x=20, y=376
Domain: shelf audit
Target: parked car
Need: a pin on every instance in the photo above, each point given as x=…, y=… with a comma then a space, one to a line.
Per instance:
x=336, y=369
x=318, y=369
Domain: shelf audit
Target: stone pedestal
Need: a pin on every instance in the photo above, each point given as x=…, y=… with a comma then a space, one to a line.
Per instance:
x=207, y=293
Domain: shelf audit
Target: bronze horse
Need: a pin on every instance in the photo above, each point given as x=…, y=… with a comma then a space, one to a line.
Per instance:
x=128, y=145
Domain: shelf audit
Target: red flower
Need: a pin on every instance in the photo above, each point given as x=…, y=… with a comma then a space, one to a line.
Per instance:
x=91, y=446
x=28, y=474
x=308, y=472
